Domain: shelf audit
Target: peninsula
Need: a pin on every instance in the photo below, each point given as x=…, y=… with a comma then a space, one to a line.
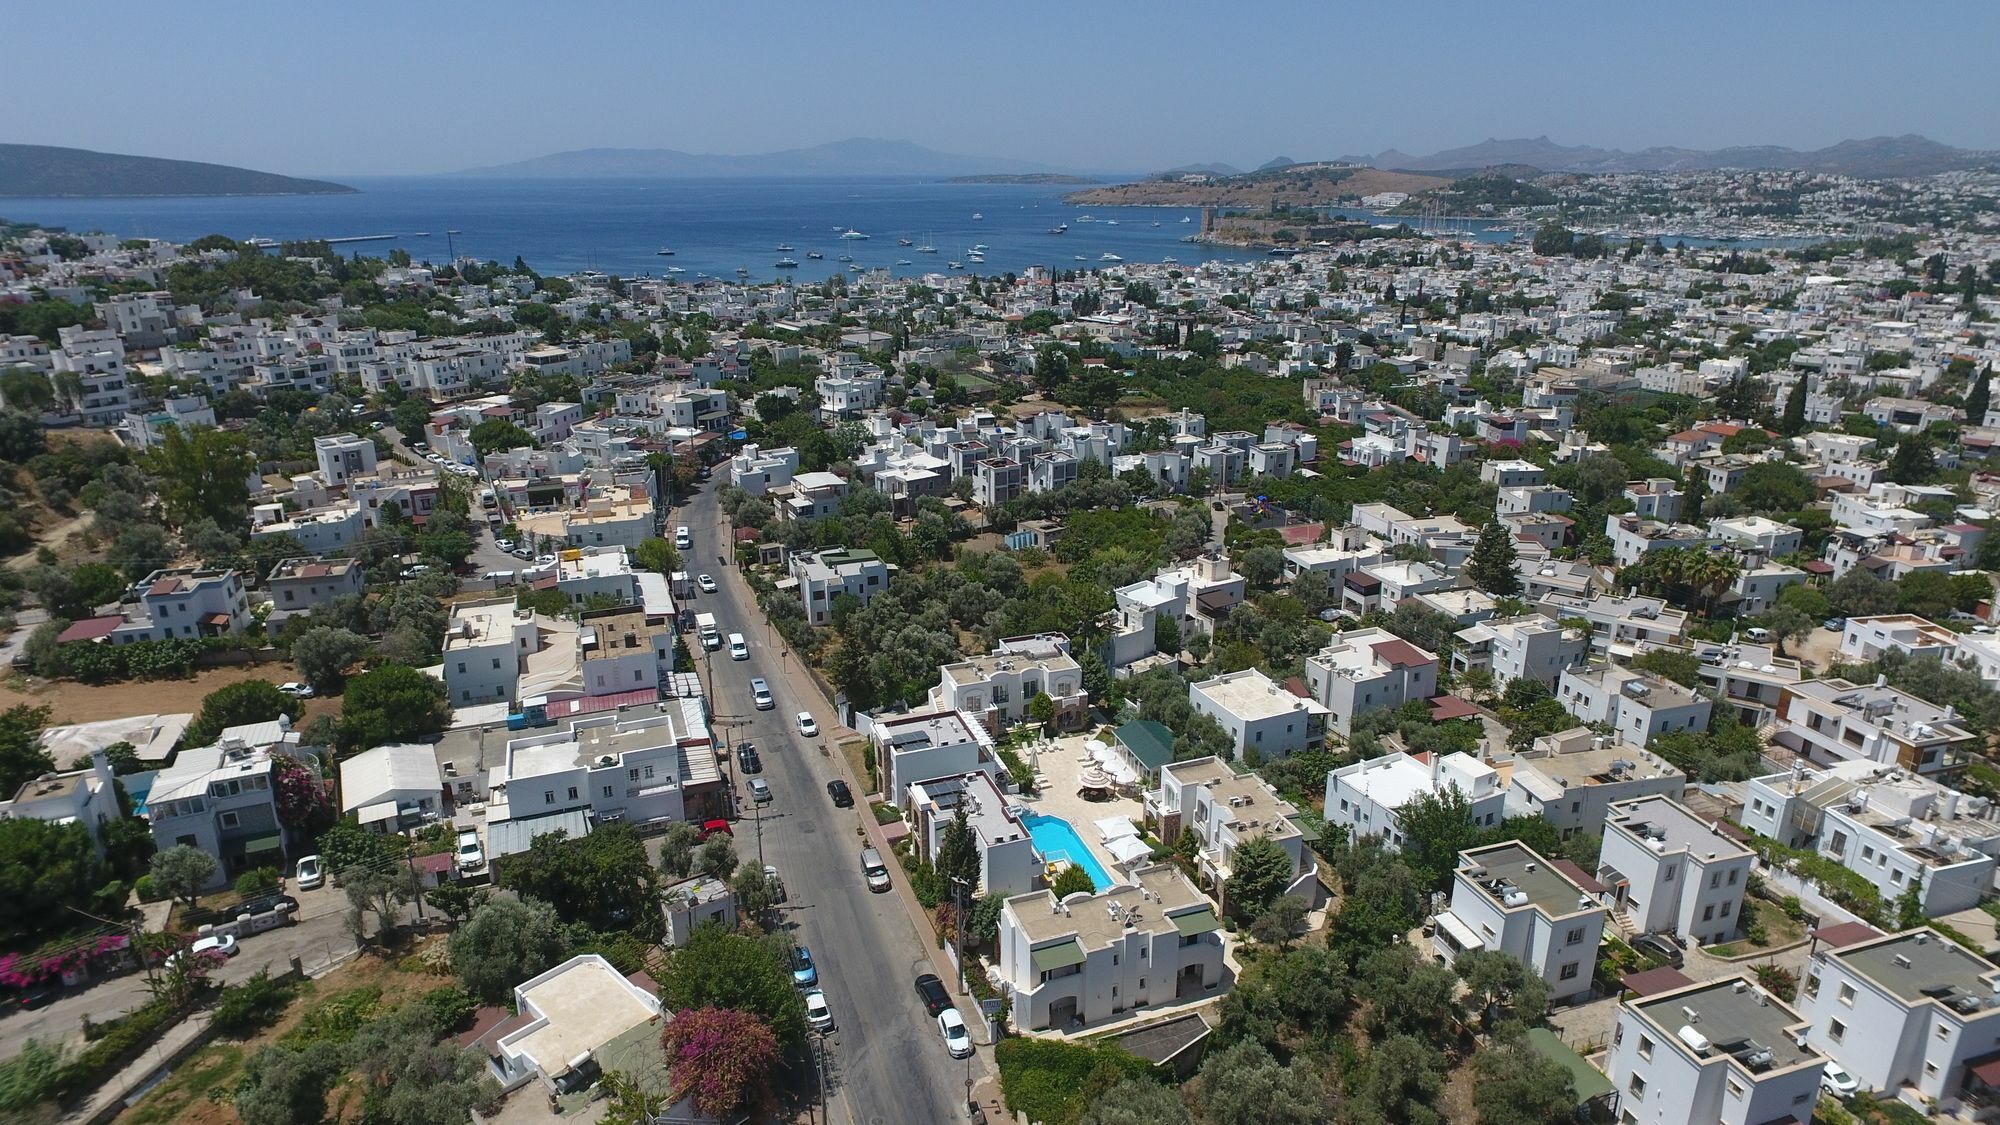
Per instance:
x=1023, y=178
x=1299, y=185
x=49, y=171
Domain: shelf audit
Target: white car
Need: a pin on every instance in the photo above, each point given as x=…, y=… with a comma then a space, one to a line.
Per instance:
x=952, y=1027
x=817, y=1013
x=504, y=544
x=739, y=649
x=706, y=583
x=807, y=727
x=471, y=857
x=225, y=944
x=296, y=689
x=1838, y=1082
x=310, y=873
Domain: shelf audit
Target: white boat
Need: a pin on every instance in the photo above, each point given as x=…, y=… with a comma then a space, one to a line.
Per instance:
x=675, y=269
x=856, y=267
x=783, y=248
x=1081, y=258
x=976, y=216
x=1156, y=222
x=665, y=252
x=1108, y=256
x=1185, y=219
x=979, y=248
x=1059, y=228
x=853, y=235
x=845, y=258
x=1170, y=260
x=788, y=263
x=904, y=242
x=814, y=255
x=742, y=271
x=902, y=261
x=1086, y=218
x=956, y=265
x=1111, y=222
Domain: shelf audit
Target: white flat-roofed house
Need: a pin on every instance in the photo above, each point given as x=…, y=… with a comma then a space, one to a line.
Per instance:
x=145, y=429
x=87, y=796
x=1149, y=940
x=1751, y=678
x=1571, y=779
x=1865, y=639
x=1508, y=899
x=342, y=456
x=299, y=585
x=758, y=471
x=1722, y=1051
x=1225, y=810
x=1669, y=871
x=1769, y=536
x=596, y=573
x=1911, y=1012
x=1008, y=861
x=1638, y=706
x=1259, y=714
x=623, y=650
x=1365, y=797
x=644, y=768
x=1633, y=538
x=486, y=646
x=221, y=800
x=186, y=602
x=1385, y=585
x=581, y=1012
x=620, y=519
x=1531, y=646
x=1833, y=720
x=998, y=687
x=1194, y=596
x=814, y=496
x=823, y=576
x=925, y=746
x=390, y=788
x=1893, y=828
x=1366, y=670
x=1621, y=625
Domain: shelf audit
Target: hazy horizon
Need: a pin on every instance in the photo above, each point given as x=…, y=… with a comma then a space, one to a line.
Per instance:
x=372, y=89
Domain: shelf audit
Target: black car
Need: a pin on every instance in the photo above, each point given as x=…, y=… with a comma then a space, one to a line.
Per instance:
x=37, y=995
x=841, y=794
x=746, y=757
x=1653, y=945
x=931, y=991
x=265, y=903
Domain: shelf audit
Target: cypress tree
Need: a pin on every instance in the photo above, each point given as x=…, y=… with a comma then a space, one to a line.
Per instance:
x=1978, y=400
x=1491, y=566
x=1794, y=421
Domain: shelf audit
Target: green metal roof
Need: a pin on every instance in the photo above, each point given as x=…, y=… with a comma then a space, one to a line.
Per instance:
x=1589, y=1081
x=263, y=844
x=1061, y=955
x=1306, y=830
x=1150, y=742
x=1196, y=922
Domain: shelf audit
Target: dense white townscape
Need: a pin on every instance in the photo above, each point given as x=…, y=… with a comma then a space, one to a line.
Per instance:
x=1563, y=667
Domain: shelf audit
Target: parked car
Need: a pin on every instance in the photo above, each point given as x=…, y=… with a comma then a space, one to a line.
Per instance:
x=841, y=794
x=930, y=990
x=746, y=757
x=471, y=857
x=1656, y=946
x=265, y=903
x=706, y=583
x=296, y=689
x=807, y=727
x=522, y=553
x=38, y=995
x=803, y=973
x=504, y=544
x=1836, y=1081
x=1756, y=635
x=760, y=791
x=739, y=649
x=817, y=1013
x=951, y=1025
x=224, y=944
x=310, y=873
x=420, y=447
x=760, y=694
x=1835, y=624
x=711, y=827
x=874, y=870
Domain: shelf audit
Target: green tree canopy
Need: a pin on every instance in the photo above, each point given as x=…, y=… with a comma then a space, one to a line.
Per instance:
x=202, y=472
x=392, y=703
x=238, y=704
x=504, y=943
x=22, y=758
x=1492, y=566
x=720, y=969
x=1259, y=871
x=604, y=880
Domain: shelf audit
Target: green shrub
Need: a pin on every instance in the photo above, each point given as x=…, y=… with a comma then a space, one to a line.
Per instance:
x=257, y=881
x=1052, y=1082
x=335, y=1019
x=247, y=1008
x=122, y=1038
x=31, y=1076
x=147, y=889
x=450, y=1008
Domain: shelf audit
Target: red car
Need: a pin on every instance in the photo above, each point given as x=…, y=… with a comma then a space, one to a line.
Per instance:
x=711, y=827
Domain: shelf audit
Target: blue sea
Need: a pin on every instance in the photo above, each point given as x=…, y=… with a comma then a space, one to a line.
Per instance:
x=713, y=226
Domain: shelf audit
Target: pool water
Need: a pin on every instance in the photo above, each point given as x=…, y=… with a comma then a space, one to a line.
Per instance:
x=1056, y=840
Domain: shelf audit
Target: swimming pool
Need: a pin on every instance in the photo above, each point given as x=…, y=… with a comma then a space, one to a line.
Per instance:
x=1056, y=840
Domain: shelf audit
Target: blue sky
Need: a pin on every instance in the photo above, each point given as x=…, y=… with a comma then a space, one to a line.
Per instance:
x=363, y=88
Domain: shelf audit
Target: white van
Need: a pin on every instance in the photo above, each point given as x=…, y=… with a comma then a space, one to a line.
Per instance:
x=739, y=649
x=683, y=538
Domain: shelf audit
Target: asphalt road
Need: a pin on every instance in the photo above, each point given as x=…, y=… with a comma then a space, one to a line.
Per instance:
x=886, y=1062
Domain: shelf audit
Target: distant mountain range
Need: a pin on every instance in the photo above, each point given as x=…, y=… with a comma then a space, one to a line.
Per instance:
x=1907, y=155
x=44, y=170
x=857, y=156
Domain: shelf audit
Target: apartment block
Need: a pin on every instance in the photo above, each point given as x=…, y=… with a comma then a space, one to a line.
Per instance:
x=1508, y=899
x=1009, y=864
x=1225, y=810
x=1833, y=720
x=1909, y=1013
x=1531, y=646
x=1637, y=705
x=1571, y=779
x=822, y=576
x=1364, y=670
x=1151, y=939
x=927, y=745
x=1667, y=870
x=1259, y=714
x=645, y=769
x=1721, y=1051
x=1365, y=797
x=996, y=688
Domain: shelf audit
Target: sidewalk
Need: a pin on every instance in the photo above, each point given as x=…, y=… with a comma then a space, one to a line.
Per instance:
x=105, y=1101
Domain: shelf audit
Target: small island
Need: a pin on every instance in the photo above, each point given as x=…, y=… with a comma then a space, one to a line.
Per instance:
x=1023, y=178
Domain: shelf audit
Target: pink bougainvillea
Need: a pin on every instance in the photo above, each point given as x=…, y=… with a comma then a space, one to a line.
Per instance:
x=717, y=1055
x=302, y=800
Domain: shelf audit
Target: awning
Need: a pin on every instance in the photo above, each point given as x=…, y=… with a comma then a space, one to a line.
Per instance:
x=379, y=811
x=1061, y=955
x=216, y=619
x=1196, y=922
x=1127, y=849
x=257, y=844
x=1461, y=934
x=1985, y=1069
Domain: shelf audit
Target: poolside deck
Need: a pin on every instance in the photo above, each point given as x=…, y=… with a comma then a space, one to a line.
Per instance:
x=1062, y=761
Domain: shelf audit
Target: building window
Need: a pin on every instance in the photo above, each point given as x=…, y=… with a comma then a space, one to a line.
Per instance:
x=1812, y=985
x=647, y=773
x=572, y=792
x=1568, y=972
x=1727, y=907
x=1846, y=995
x=1669, y=877
x=1732, y=876
x=1735, y=1088
x=1835, y=1030
x=631, y=775
x=1637, y=1087
x=1708, y=913
x=1645, y=1048
x=1575, y=936
x=607, y=791
x=548, y=796
x=228, y=820
x=1943, y=1032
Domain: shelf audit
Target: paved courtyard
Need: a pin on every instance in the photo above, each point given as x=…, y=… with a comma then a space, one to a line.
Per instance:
x=1062, y=762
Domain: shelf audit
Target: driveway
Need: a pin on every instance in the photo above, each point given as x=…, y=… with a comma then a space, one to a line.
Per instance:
x=886, y=1062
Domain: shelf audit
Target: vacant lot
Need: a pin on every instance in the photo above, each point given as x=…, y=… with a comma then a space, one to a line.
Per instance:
x=87, y=703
